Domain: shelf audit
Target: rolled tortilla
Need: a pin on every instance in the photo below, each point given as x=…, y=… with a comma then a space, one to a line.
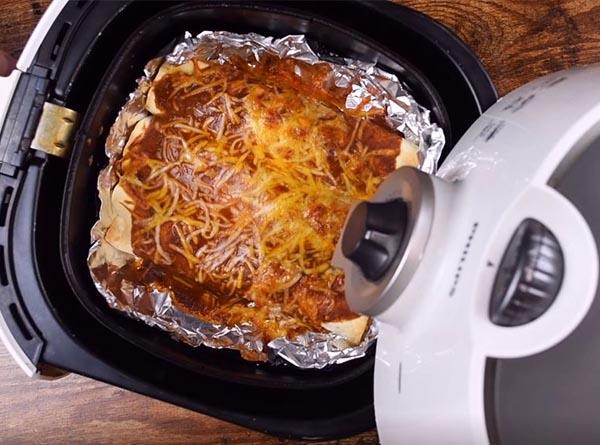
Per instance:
x=409, y=155
x=352, y=330
x=165, y=69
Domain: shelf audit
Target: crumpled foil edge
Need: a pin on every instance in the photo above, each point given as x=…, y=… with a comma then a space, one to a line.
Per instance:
x=371, y=87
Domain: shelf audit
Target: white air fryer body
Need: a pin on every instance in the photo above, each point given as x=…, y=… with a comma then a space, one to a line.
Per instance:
x=436, y=334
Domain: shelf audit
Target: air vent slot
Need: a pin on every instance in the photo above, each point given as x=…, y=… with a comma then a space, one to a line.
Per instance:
x=3, y=274
x=4, y=205
x=14, y=311
x=59, y=40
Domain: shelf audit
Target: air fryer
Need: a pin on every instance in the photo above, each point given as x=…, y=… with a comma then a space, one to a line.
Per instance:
x=88, y=61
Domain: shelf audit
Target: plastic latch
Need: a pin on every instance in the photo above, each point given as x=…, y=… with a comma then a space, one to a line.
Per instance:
x=21, y=121
x=373, y=235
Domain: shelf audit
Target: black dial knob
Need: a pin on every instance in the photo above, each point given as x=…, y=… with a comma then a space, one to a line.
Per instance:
x=373, y=236
x=529, y=276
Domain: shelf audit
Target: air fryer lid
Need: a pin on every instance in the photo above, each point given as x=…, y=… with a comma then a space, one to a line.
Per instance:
x=56, y=316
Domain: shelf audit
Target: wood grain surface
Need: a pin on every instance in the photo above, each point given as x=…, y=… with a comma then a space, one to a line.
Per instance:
x=79, y=410
x=517, y=40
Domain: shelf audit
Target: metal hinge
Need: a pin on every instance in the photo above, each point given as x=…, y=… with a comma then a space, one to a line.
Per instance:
x=54, y=133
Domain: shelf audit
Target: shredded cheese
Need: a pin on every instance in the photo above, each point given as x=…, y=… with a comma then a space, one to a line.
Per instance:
x=248, y=182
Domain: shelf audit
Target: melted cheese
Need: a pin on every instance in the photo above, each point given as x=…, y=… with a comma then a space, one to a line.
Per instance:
x=241, y=183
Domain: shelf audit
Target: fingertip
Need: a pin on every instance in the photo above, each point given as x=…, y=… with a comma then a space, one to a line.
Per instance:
x=7, y=63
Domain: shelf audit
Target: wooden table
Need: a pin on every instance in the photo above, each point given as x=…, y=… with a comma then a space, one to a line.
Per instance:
x=517, y=41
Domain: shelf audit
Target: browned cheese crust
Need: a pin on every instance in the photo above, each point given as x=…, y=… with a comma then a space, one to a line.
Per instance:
x=233, y=191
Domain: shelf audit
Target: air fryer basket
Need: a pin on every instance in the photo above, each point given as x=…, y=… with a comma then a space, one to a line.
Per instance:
x=80, y=210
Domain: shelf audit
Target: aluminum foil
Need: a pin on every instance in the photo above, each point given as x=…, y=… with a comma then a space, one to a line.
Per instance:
x=369, y=88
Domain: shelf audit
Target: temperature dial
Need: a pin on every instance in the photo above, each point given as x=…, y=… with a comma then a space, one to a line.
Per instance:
x=529, y=276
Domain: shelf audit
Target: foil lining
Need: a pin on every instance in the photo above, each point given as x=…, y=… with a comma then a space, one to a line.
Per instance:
x=370, y=88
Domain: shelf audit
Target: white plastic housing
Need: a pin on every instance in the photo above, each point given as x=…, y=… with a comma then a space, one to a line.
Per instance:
x=434, y=340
